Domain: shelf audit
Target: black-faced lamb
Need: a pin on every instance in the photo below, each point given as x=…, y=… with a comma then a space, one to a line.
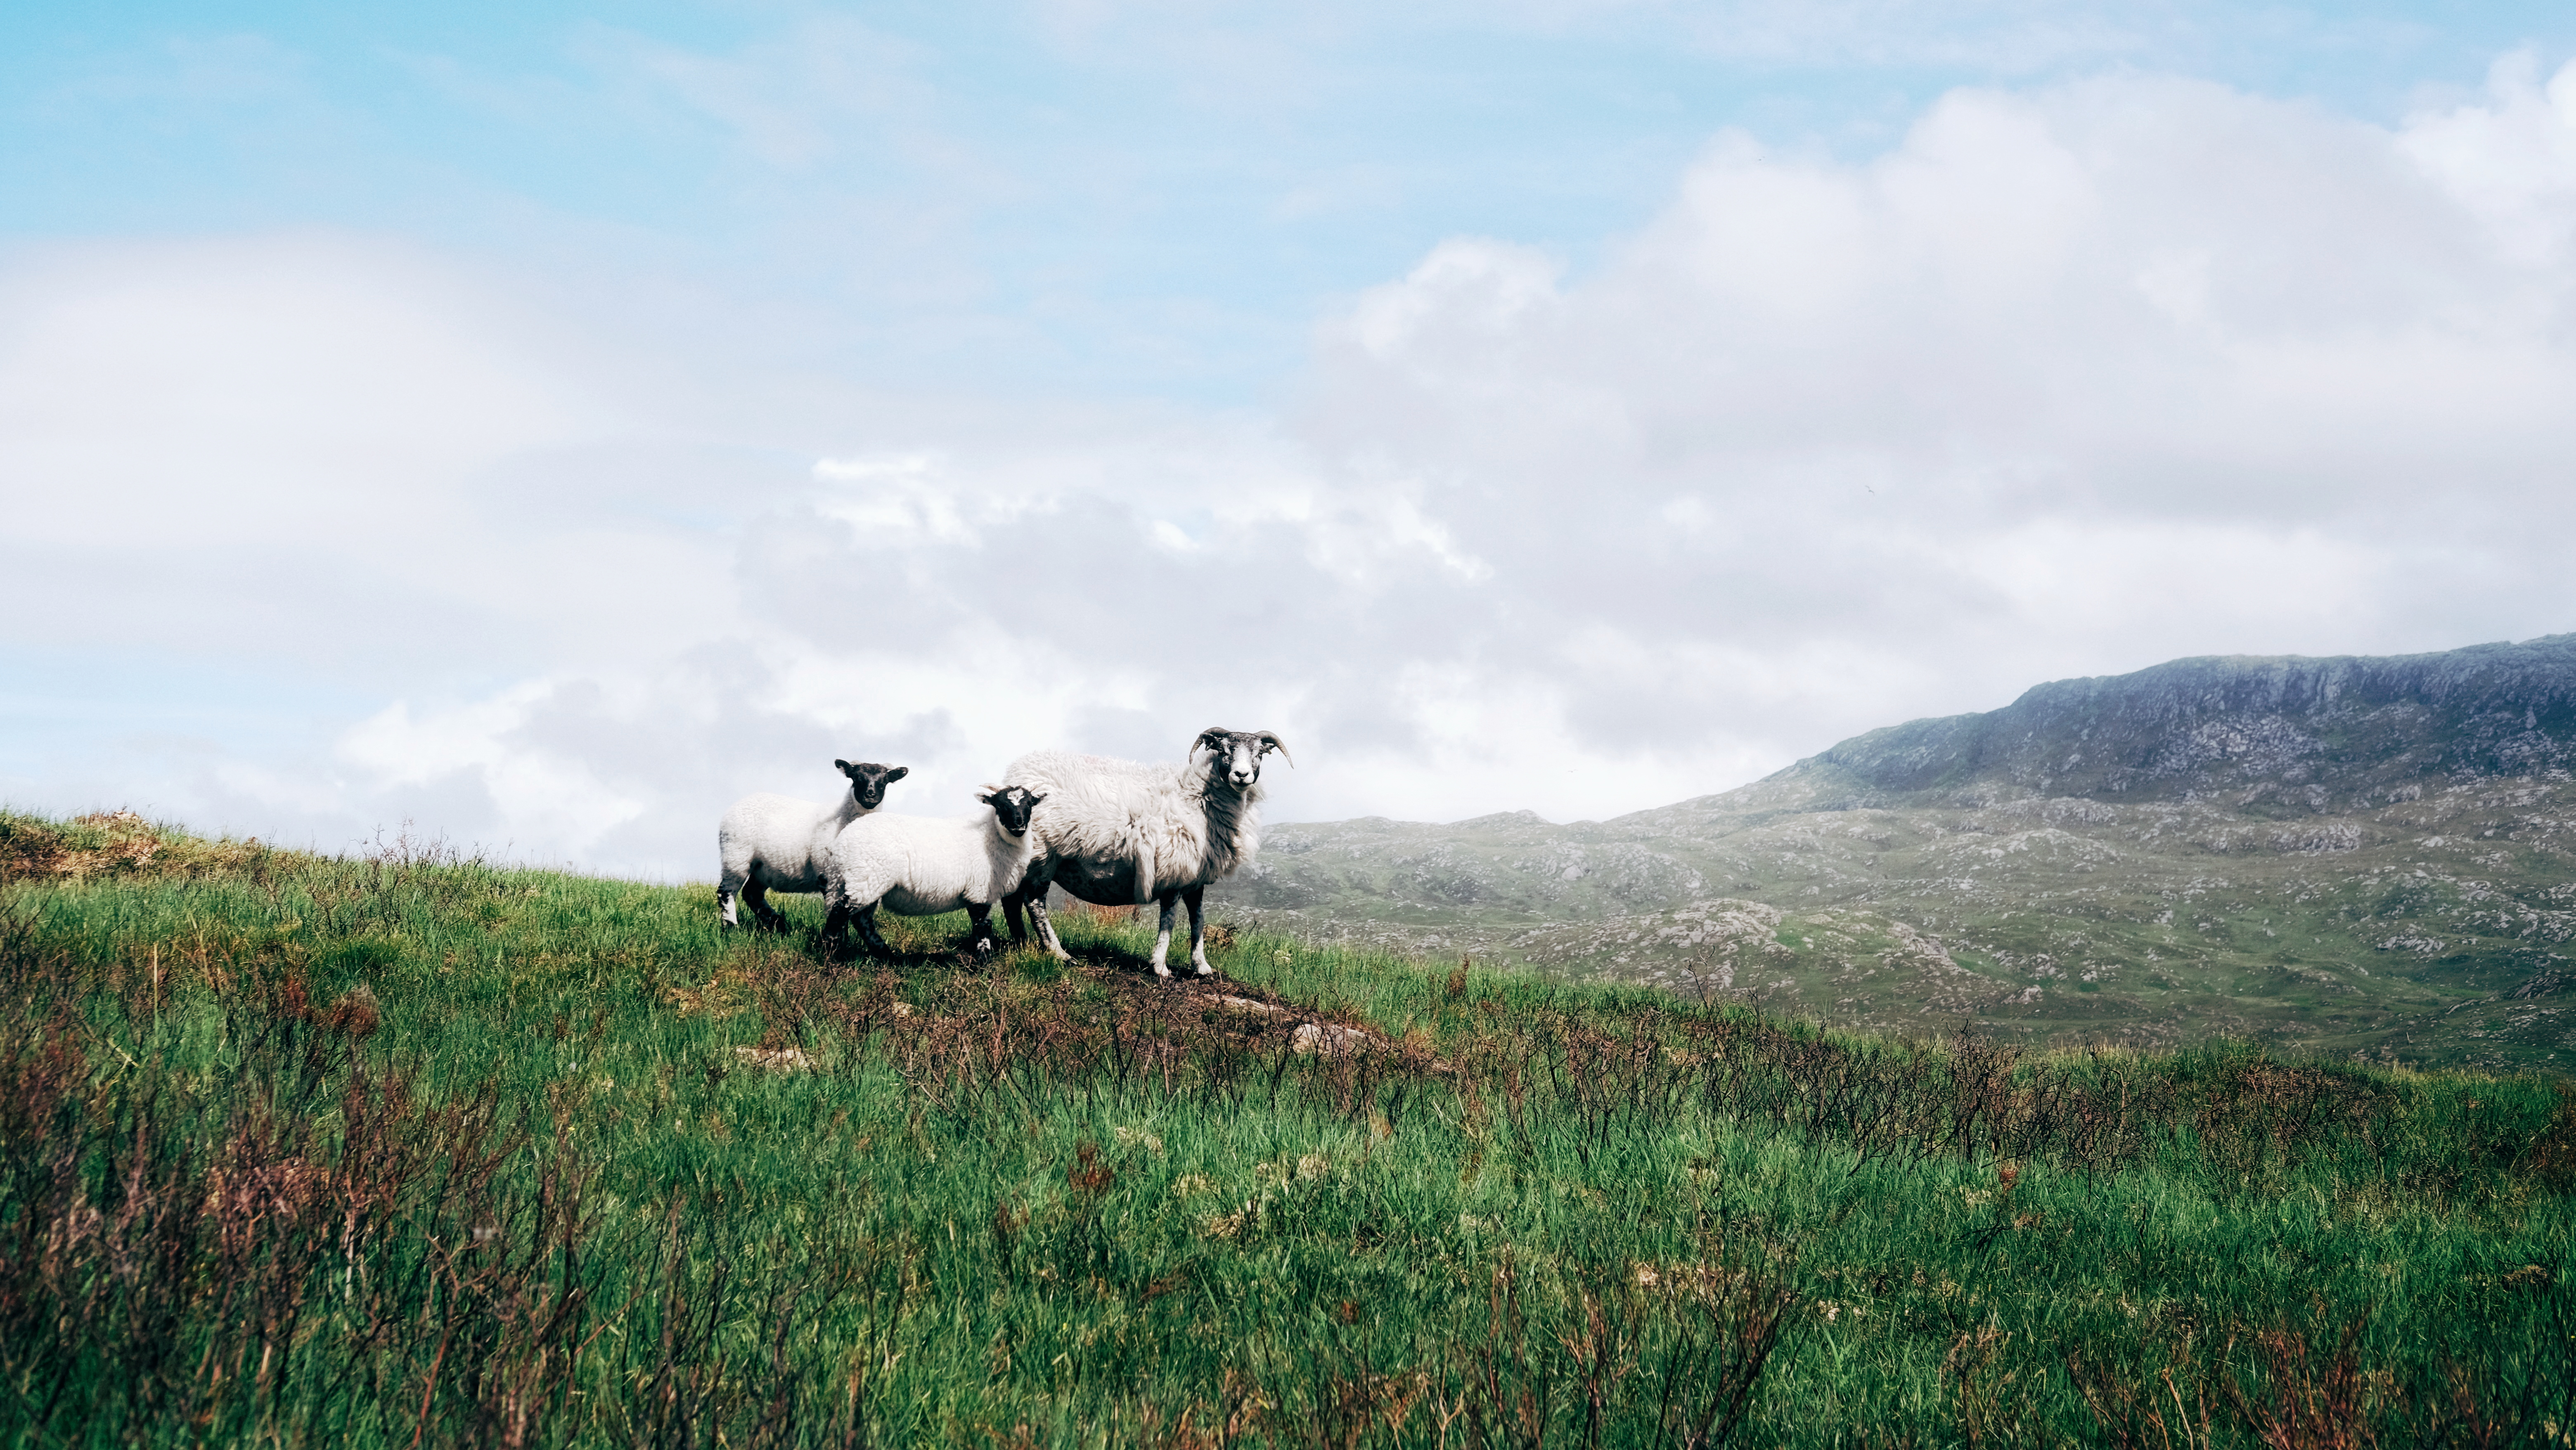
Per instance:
x=1121, y=832
x=920, y=866
x=776, y=843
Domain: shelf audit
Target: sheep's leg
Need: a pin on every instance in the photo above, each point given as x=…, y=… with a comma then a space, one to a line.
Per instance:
x=756, y=896
x=1163, y=935
x=867, y=919
x=726, y=891
x=981, y=913
x=836, y=925
x=1045, y=923
x=1011, y=913
x=1198, y=931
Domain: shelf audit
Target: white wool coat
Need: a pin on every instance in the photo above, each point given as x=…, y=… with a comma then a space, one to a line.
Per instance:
x=1137, y=831
x=925, y=865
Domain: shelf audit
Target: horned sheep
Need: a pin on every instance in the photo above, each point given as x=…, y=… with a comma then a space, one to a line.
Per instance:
x=1121, y=833
x=777, y=843
x=923, y=866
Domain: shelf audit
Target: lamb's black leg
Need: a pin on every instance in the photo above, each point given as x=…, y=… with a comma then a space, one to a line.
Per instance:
x=836, y=928
x=867, y=918
x=981, y=913
x=1011, y=912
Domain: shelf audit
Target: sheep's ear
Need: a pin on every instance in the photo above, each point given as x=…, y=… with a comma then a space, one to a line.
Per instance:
x=845, y=767
x=898, y=773
x=1270, y=742
x=1212, y=737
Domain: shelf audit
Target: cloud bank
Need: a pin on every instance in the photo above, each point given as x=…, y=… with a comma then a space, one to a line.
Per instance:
x=2071, y=380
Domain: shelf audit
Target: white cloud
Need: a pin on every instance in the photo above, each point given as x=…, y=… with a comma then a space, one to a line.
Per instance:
x=2069, y=381
x=2078, y=378
x=226, y=393
x=896, y=502
x=538, y=795
x=1480, y=288
x=2512, y=160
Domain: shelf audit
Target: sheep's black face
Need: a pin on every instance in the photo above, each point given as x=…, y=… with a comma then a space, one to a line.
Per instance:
x=868, y=781
x=1012, y=805
x=1238, y=753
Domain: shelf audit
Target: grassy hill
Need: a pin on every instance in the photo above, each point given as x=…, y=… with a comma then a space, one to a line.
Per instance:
x=411, y=1150
x=2372, y=857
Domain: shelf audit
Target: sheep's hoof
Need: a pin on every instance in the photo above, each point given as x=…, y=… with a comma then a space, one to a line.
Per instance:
x=1163, y=972
x=1206, y=971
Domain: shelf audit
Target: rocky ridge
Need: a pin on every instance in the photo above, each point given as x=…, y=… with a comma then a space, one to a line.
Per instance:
x=2349, y=855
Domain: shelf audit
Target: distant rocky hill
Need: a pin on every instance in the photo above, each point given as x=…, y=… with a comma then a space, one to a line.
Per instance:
x=2353, y=855
x=2300, y=734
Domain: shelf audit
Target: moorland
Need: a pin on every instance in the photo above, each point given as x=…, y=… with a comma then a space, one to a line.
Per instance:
x=407, y=1148
x=2363, y=857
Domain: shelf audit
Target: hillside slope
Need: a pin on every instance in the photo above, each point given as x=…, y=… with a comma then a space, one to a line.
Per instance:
x=411, y=1150
x=2365, y=855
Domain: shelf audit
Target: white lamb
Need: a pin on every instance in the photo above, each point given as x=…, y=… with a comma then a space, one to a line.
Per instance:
x=920, y=866
x=1121, y=833
x=776, y=843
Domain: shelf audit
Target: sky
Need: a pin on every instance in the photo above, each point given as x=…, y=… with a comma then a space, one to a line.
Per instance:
x=533, y=427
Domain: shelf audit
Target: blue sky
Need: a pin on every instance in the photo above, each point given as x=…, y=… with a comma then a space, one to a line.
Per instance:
x=545, y=423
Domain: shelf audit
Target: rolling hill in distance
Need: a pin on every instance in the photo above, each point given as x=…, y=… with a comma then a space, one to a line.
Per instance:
x=2363, y=856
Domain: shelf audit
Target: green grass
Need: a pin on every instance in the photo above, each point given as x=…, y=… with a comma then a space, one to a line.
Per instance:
x=532, y=1186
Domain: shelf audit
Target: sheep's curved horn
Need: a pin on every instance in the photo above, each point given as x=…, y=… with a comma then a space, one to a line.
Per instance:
x=1274, y=743
x=1217, y=733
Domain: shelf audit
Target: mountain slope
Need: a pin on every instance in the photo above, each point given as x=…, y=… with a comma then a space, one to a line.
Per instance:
x=2366, y=855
